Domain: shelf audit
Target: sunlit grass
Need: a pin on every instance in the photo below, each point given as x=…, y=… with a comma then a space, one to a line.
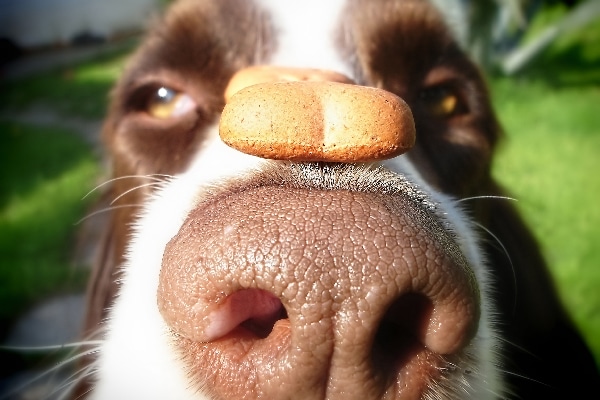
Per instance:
x=573, y=58
x=81, y=90
x=550, y=163
x=44, y=175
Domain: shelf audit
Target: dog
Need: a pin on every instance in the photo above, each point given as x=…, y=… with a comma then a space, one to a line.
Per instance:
x=227, y=275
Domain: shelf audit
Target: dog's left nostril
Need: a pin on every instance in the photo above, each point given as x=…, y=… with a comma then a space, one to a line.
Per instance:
x=253, y=311
x=262, y=327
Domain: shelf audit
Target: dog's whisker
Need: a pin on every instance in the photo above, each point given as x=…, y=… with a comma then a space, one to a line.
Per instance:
x=155, y=177
x=496, y=394
x=104, y=210
x=493, y=197
x=83, y=395
x=510, y=262
x=64, y=390
x=522, y=376
x=526, y=378
x=145, y=185
x=52, y=347
x=72, y=381
x=88, y=371
x=57, y=367
x=516, y=346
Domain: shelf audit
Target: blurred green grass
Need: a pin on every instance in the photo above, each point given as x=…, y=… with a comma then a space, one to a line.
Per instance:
x=44, y=175
x=81, y=90
x=573, y=59
x=550, y=163
x=45, y=172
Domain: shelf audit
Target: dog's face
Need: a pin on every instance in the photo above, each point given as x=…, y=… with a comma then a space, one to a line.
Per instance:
x=255, y=278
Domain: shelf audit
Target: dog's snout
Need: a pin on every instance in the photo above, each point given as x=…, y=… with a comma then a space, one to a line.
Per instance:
x=296, y=293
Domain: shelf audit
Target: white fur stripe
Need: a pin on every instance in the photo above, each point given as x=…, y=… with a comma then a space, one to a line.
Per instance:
x=314, y=47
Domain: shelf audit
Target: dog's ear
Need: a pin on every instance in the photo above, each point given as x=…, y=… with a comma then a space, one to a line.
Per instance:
x=544, y=341
x=102, y=284
x=101, y=290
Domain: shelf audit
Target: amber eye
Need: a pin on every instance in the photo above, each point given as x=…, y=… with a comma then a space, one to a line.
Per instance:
x=443, y=102
x=165, y=103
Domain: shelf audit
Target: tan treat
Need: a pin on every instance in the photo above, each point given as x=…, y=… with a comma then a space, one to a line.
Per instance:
x=268, y=73
x=317, y=121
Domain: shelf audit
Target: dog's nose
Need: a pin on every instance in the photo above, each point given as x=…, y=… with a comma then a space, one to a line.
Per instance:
x=310, y=294
x=313, y=115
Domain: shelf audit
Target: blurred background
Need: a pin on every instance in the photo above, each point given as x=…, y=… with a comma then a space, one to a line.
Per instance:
x=59, y=59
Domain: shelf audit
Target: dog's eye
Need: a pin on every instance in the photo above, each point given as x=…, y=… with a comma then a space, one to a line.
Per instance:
x=165, y=103
x=442, y=101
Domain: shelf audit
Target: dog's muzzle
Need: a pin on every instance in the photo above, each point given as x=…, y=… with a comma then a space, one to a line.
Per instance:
x=313, y=273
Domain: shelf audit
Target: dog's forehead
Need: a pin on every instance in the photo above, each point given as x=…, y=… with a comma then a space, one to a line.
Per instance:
x=351, y=36
x=327, y=34
x=306, y=32
x=205, y=37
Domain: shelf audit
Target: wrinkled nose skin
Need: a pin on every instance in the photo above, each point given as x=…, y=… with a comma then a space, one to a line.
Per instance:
x=280, y=292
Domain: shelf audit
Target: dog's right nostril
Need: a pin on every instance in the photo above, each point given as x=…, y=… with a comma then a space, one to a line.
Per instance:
x=398, y=336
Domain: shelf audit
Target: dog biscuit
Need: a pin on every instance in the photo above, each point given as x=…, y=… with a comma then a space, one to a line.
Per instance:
x=317, y=121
